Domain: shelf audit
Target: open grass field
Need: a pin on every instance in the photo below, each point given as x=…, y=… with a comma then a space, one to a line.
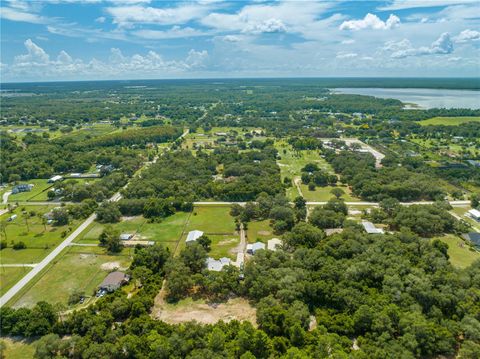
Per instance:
x=40, y=186
x=461, y=254
x=11, y=275
x=322, y=194
x=223, y=245
x=77, y=268
x=449, y=121
x=167, y=232
x=211, y=220
x=291, y=164
x=18, y=349
x=259, y=231
x=39, y=238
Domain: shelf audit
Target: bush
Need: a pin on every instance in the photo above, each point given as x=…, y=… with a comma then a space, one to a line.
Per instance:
x=3, y=244
x=19, y=245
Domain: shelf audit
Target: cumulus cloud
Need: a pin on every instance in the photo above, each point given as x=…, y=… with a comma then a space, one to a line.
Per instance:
x=267, y=26
x=129, y=15
x=100, y=19
x=37, y=63
x=404, y=48
x=467, y=35
x=371, y=21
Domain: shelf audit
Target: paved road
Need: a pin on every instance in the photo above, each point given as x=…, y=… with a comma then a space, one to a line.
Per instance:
x=45, y=262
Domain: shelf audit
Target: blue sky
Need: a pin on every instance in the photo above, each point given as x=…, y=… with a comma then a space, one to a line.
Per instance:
x=129, y=39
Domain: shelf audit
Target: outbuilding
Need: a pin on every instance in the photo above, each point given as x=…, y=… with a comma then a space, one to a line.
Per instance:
x=217, y=265
x=126, y=236
x=370, y=228
x=55, y=179
x=274, y=243
x=252, y=248
x=474, y=214
x=193, y=236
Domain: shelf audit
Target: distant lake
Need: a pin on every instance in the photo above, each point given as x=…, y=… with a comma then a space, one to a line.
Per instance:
x=425, y=98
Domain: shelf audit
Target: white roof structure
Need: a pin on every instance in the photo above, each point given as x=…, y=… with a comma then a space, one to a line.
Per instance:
x=252, y=248
x=370, y=228
x=126, y=236
x=217, y=265
x=193, y=236
x=55, y=178
x=474, y=213
x=273, y=243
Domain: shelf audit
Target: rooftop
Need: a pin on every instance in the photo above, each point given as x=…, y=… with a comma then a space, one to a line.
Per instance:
x=370, y=228
x=193, y=235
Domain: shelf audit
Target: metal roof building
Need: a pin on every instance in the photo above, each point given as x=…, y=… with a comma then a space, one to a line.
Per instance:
x=217, y=265
x=252, y=248
x=193, y=236
x=475, y=214
x=370, y=228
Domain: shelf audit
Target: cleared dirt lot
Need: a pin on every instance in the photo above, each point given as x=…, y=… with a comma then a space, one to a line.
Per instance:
x=187, y=310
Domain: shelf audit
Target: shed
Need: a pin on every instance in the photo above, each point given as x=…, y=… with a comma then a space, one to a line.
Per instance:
x=273, y=243
x=193, y=236
x=252, y=248
x=126, y=236
x=55, y=179
x=473, y=237
x=370, y=228
x=113, y=281
x=474, y=214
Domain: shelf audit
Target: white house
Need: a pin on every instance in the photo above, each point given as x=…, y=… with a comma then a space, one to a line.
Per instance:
x=273, y=243
x=193, y=236
x=252, y=248
x=126, y=236
x=217, y=265
x=370, y=228
x=474, y=214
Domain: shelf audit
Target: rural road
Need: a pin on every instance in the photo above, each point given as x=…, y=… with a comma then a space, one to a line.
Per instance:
x=219, y=203
x=5, y=196
x=51, y=256
x=45, y=262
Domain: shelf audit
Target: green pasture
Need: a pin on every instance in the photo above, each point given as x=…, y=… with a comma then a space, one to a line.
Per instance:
x=460, y=253
x=449, y=121
x=11, y=275
x=40, y=187
x=259, y=231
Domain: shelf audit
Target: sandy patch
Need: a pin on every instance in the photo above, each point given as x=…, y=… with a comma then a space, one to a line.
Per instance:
x=189, y=310
x=108, y=266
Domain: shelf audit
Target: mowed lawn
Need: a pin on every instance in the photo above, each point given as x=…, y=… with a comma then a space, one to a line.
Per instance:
x=40, y=186
x=11, y=275
x=259, y=231
x=77, y=268
x=449, y=121
x=39, y=238
x=461, y=255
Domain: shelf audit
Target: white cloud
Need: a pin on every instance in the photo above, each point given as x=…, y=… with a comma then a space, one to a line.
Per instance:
x=36, y=64
x=268, y=26
x=411, y=4
x=467, y=35
x=100, y=19
x=173, y=33
x=129, y=15
x=443, y=45
x=21, y=16
x=348, y=42
x=371, y=21
x=35, y=55
x=346, y=55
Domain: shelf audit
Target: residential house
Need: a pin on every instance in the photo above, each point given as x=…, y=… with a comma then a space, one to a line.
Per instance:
x=113, y=281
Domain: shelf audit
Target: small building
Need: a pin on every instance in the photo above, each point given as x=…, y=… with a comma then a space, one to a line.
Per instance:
x=217, y=265
x=126, y=236
x=113, y=281
x=221, y=134
x=273, y=244
x=75, y=175
x=193, y=236
x=473, y=237
x=253, y=248
x=370, y=228
x=22, y=188
x=55, y=179
x=12, y=218
x=474, y=214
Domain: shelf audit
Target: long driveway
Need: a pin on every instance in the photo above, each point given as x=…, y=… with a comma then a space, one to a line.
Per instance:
x=45, y=262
